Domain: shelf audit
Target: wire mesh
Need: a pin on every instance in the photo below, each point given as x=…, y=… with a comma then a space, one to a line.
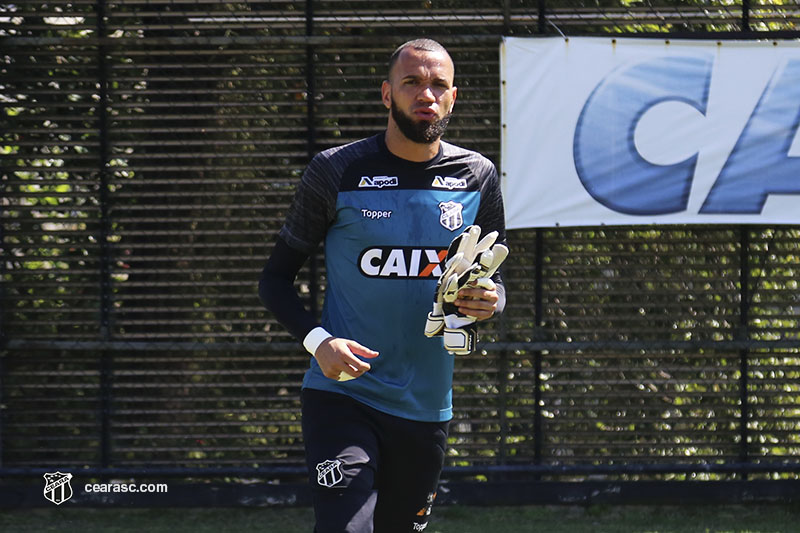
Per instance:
x=150, y=151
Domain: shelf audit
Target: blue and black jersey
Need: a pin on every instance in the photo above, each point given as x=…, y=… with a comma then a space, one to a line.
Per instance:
x=386, y=223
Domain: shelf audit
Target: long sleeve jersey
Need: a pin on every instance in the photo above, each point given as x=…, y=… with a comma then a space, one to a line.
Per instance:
x=386, y=224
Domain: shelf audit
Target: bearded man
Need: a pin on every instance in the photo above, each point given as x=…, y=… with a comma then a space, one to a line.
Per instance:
x=377, y=397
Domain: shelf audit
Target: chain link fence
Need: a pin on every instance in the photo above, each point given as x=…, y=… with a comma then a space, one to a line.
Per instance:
x=150, y=150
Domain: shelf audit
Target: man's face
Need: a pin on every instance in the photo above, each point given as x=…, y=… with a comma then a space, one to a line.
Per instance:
x=420, y=94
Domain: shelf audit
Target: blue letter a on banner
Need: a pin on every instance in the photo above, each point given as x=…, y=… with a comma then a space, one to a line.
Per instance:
x=759, y=164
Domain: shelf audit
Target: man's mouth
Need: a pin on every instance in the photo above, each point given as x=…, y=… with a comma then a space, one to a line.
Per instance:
x=425, y=113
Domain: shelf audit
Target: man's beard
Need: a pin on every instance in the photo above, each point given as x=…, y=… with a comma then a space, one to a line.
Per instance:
x=421, y=132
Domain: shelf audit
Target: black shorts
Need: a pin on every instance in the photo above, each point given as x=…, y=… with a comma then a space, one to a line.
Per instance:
x=369, y=471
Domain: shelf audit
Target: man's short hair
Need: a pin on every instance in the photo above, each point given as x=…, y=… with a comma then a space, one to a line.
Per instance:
x=428, y=45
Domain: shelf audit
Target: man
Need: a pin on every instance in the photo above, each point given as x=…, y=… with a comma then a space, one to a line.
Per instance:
x=377, y=396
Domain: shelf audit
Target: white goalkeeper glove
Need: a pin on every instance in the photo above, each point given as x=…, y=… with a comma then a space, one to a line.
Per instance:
x=454, y=265
x=469, y=263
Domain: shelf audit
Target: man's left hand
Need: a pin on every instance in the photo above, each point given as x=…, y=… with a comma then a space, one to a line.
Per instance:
x=478, y=302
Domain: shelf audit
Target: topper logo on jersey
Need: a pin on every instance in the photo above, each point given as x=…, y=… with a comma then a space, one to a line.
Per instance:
x=634, y=185
x=378, y=182
x=449, y=183
x=401, y=262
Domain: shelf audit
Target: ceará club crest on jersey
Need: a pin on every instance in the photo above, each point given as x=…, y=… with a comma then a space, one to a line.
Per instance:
x=450, y=216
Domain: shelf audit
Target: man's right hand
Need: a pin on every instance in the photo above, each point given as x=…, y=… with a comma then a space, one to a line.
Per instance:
x=338, y=359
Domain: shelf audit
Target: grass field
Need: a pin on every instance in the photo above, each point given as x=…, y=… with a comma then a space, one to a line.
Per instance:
x=446, y=519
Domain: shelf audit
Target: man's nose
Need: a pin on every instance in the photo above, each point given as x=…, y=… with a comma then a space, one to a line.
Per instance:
x=426, y=94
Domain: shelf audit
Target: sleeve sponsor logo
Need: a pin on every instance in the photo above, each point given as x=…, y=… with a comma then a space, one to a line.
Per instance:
x=447, y=182
x=401, y=262
x=378, y=182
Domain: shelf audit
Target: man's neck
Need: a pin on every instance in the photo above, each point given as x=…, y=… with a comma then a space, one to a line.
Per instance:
x=399, y=145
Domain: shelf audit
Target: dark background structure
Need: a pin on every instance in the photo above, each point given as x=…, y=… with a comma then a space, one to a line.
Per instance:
x=149, y=151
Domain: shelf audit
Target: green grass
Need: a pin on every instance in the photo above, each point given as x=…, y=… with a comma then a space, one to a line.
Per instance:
x=446, y=519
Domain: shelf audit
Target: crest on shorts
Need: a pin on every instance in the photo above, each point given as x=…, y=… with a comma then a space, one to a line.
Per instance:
x=329, y=473
x=450, y=216
x=57, y=488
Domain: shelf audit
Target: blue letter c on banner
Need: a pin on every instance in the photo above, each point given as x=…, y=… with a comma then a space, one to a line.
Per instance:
x=606, y=159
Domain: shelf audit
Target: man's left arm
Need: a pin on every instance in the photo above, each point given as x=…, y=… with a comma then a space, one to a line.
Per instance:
x=484, y=303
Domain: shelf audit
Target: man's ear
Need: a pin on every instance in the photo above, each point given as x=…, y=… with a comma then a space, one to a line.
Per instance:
x=386, y=94
x=453, y=103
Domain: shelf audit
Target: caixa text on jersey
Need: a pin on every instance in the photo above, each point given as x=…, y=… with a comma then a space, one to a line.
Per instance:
x=401, y=262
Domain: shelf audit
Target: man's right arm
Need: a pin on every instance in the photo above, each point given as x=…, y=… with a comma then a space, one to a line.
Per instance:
x=336, y=357
x=277, y=293
x=310, y=214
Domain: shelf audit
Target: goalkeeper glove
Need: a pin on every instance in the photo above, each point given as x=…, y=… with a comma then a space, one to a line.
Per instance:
x=469, y=263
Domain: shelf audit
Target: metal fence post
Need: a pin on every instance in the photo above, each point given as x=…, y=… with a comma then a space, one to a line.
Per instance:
x=3, y=337
x=541, y=24
x=502, y=385
x=3, y=342
x=743, y=334
x=106, y=356
x=745, y=15
x=311, y=145
x=537, y=355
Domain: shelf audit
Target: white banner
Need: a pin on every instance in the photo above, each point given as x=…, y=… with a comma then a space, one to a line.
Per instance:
x=643, y=131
